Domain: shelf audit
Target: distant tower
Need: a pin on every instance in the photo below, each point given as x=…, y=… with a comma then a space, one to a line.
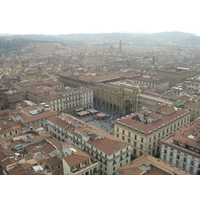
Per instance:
x=120, y=46
x=153, y=60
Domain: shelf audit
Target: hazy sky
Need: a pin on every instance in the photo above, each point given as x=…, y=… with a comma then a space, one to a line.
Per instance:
x=98, y=16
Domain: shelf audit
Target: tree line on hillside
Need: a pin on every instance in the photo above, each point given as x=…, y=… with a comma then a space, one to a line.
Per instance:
x=14, y=43
x=141, y=39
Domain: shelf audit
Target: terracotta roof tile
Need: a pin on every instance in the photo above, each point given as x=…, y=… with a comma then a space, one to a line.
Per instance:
x=6, y=162
x=149, y=165
x=189, y=134
x=108, y=143
x=75, y=159
x=53, y=162
x=146, y=128
x=43, y=115
x=18, y=170
x=55, y=143
x=2, y=156
x=48, y=148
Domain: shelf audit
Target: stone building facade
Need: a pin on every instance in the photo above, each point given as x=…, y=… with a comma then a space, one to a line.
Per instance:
x=144, y=129
x=153, y=82
x=62, y=100
x=119, y=97
x=110, y=152
x=182, y=150
x=177, y=75
x=194, y=108
x=76, y=162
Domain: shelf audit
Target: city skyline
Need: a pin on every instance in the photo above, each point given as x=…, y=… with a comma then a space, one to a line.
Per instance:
x=71, y=17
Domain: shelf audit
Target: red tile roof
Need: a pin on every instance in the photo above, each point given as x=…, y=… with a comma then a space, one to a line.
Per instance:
x=146, y=128
x=18, y=170
x=76, y=157
x=108, y=143
x=189, y=135
x=149, y=165
x=48, y=148
x=27, y=118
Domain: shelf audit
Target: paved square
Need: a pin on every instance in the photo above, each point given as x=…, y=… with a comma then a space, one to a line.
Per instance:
x=106, y=124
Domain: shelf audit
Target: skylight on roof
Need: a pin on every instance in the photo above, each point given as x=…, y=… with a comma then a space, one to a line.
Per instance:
x=34, y=112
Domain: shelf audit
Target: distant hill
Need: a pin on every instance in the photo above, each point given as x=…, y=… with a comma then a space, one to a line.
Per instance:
x=157, y=39
x=179, y=38
x=16, y=42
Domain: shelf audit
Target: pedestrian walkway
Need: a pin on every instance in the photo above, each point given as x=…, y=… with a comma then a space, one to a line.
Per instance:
x=105, y=124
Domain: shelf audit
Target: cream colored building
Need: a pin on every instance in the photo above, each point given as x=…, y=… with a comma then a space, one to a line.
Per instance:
x=177, y=75
x=94, y=60
x=117, y=96
x=10, y=129
x=144, y=129
x=149, y=165
x=33, y=115
x=110, y=152
x=66, y=99
x=108, y=91
x=26, y=84
x=76, y=162
x=182, y=150
x=87, y=80
x=153, y=82
x=146, y=100
x=194, y=108
x=192, y=84
x=87, y=98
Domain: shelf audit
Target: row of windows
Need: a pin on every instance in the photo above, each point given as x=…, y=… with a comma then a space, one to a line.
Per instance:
x=78, y=140
x=9, y=134
x=155, y=136
x=180, y=164
x=114, y=168
x=136, y=143
x=185, y=159
x=129, y=135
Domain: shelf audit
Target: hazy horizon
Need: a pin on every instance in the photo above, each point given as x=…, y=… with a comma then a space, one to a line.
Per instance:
x=21, y=34
x=106, y=16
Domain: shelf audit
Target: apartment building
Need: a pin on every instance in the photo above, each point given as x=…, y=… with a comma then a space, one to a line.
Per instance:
x=11, y=97
x=158, y=83
x=192, y=84
x=182, y=150
x=76, y=162
x=33, y=115
x=32, y=152
x=148, y=98
x=26, y=84
x=194, y=108
x=87, y=98
x=144, y=129
x=110, y=152
x=149, y=165
x=3, y=89
x=9, y=128
x=65, y=99
x=176, y=75
x=87, y=80
x=94, y=60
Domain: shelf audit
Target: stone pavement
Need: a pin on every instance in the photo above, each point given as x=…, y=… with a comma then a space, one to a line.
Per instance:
x=106, y=124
